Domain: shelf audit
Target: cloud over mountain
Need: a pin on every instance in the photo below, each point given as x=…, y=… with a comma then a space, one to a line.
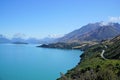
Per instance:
x=114, y=19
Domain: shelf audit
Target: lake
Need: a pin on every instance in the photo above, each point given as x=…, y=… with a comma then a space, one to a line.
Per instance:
x=27, y=62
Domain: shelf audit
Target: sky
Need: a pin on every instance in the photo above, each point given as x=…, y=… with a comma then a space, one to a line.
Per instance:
x=42, y=18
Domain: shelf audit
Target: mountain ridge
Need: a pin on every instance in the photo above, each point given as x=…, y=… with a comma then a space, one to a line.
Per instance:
x=3, y=39
x=18, y=39
x=92, y=32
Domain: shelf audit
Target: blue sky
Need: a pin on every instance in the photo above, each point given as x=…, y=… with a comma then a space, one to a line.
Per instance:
x=40, y=18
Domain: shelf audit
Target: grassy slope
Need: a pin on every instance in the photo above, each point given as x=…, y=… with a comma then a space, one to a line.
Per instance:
x=93, y=67
x=113, y=51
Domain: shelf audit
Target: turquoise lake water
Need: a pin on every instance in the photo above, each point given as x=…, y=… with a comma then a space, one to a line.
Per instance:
x=27, y=62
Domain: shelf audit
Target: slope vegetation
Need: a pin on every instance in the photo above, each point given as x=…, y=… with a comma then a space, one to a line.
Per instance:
x=93, y=67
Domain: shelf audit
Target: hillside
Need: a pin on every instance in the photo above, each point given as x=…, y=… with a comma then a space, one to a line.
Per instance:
x=113, y=45
x=92, y=32
x=86, y=36
x=74, y=45
x=94, y=67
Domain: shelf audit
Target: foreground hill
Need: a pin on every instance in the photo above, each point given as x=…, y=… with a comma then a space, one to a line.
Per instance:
x=113, y=51
x=94, y=67
x=93, y=32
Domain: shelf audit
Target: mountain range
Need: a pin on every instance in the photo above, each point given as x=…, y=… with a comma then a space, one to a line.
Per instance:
x=3, y=39
x=92, y=32
x=21, y=40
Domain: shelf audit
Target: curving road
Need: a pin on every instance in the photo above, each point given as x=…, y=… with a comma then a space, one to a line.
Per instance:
x=102, y=53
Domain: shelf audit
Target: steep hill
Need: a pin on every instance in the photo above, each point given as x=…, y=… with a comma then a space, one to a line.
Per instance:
x=113, y=51
x=94, y=67
x=93, y=32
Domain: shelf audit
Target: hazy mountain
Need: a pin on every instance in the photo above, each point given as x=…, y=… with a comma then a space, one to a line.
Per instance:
x=47, y=40
x=93, y=32
x=3, y=39
x=17, y=39
x=34, y=40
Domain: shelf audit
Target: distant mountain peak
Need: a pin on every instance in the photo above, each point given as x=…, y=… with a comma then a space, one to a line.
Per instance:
x=1, y=36
x=3, y=39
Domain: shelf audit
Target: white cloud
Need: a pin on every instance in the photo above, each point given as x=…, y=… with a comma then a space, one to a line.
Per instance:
x=110, y=21
x=103, y=23
x=19, y=35
x=114, y=19
x=55, y=36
